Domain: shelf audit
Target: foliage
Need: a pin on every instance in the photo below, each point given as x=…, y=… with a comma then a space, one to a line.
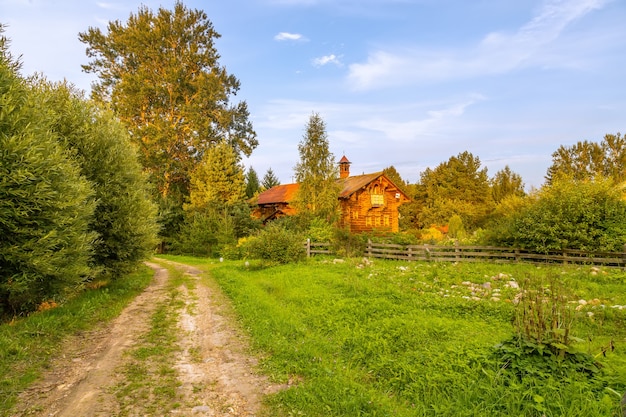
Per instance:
x=585, y=215
x=458, y=186
x=320, y=231
x=588, y=160
x=270, y=179
x=206, y=232
x=543, y=345
x=218, y=179
x=161, y=75
x=392, y=173
x=252, y=183
x=316, y=173
x=456, y=230
x=276, y=245
x=45, y=204
x=124, y=217
x=506, y=183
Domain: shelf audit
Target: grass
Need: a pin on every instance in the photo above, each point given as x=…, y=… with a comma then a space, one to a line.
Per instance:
x=417, y=339
x=27, y=344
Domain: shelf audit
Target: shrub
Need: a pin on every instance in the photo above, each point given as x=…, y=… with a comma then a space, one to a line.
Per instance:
x=542, y=346
x=276, y=244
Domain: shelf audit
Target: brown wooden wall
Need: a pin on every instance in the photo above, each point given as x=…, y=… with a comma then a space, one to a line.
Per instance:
x=362, y=213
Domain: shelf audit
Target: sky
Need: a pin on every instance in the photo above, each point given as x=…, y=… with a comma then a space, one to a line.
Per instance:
x=402, y=83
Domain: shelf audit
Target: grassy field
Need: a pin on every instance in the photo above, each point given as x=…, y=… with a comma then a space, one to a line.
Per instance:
x=417, y=339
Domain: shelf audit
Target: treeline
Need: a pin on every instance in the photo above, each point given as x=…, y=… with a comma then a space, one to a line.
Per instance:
x=74, y=203
x=580, y=206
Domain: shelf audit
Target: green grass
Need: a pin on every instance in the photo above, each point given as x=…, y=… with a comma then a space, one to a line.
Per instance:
x=416, y=339
x=27, y=344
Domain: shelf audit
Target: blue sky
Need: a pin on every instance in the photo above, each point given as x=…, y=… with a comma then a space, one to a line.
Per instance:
x=407, y=83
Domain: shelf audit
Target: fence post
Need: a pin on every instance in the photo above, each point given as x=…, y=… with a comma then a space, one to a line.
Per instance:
x=457, y=251
x=624, y=258
x=517, y=257
x=369, y=248
x=308, y=248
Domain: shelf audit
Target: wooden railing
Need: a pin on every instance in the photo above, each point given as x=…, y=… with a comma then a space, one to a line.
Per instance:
x=317, y=248
x=459, y=253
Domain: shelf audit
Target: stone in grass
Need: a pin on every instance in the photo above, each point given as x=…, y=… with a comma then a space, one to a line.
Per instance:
x=204, y=409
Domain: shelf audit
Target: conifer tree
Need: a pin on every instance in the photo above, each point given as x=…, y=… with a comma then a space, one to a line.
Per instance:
x=316, y=173
x=270, y=179
x=219, y=179
x=252, y=183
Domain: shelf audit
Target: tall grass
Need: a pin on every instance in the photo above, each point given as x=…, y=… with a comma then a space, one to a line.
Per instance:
x=398, y=339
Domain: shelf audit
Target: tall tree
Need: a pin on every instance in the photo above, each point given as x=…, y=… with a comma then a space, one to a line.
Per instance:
x=506, y=183
x=316, y=173
x=270, y=179
x=456, y=187
x=161, y=75
x=252, y=183
x=588, y=160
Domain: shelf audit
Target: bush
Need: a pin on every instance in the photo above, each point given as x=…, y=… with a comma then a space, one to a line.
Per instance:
x=45, y=204
x=585, y=215
x=276, y=244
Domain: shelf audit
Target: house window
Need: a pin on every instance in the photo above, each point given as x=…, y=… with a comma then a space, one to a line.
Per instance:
x=377, y=196
x=386, y=219
x=368, y=220
x=355, y=215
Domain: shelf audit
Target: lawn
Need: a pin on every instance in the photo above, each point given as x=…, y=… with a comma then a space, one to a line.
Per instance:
x=418, y=339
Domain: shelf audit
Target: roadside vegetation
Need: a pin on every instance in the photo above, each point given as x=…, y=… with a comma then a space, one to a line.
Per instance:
x=28, y=344
x=404, y=339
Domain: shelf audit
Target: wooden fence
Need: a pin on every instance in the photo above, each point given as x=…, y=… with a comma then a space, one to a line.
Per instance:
x=459, y=253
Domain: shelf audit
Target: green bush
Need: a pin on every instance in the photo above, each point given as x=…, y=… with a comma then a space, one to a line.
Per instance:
x=585, y=215
x=276, y=244
x=45, y=204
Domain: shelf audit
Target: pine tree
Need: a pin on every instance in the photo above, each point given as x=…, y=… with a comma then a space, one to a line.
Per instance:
x=270, y=180
x=316, y=173
x=506, y=183
x=252, y=183
x=218, y=180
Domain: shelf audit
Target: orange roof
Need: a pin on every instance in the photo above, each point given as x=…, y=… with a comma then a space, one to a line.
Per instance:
x=286, y=193
x=278, y=194
x=350, y=185
x=344, y=160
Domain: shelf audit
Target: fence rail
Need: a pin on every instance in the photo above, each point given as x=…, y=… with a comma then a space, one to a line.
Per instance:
x=459, y=253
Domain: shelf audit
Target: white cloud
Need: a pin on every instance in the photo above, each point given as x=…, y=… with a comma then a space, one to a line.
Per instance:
x=286, y=36
x=327, y=59
x=496, y=53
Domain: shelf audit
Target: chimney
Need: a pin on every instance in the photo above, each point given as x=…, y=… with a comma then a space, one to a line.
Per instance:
x=344, y=167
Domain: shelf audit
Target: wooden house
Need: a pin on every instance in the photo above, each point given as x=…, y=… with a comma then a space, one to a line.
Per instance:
x=368, y=202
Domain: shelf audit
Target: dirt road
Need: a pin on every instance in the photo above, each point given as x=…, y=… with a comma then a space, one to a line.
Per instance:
x=215, y=375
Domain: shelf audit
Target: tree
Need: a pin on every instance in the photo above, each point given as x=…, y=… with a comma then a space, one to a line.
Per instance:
x=252, y=183
x=316, y=173
x=568, y=214
x=218, y=179
x=45, y=204
x=395, y=177
x=124, y=218
x=458, y=186
x=587, y=160
x=506, y=183
x=270, y=179
x=161, y=75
